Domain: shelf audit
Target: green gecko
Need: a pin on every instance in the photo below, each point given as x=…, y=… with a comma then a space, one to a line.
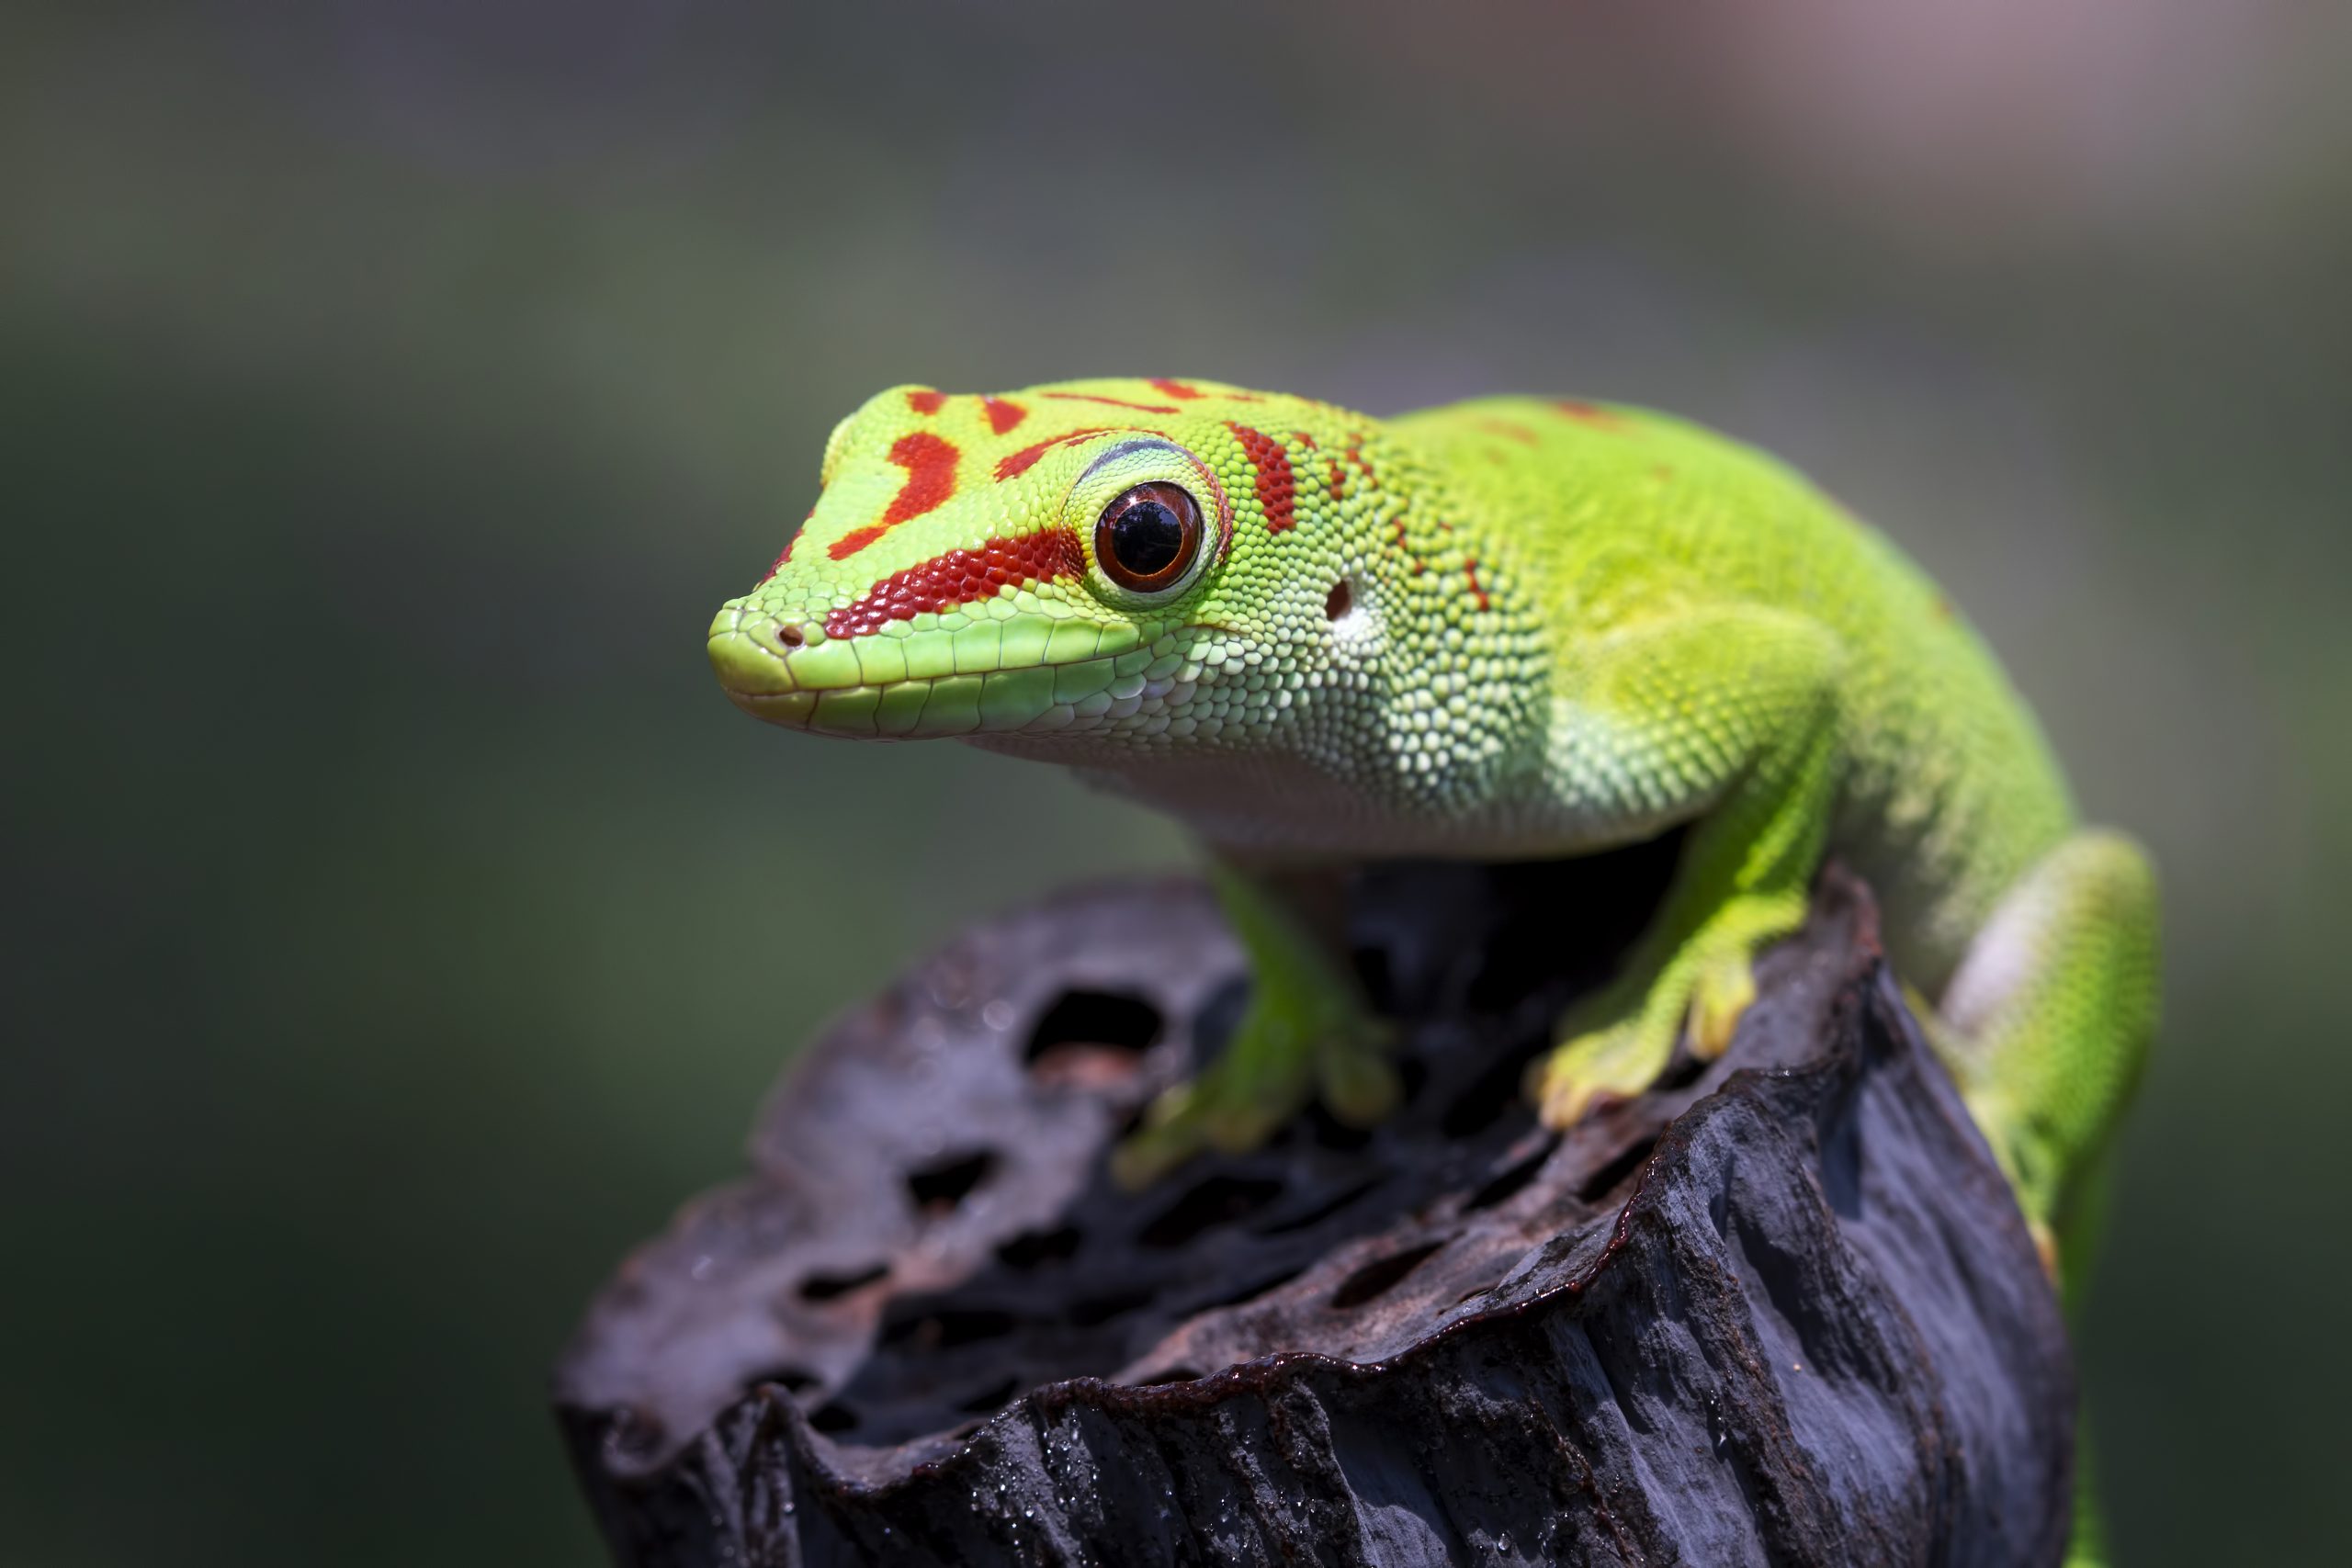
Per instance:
x=1506, y=628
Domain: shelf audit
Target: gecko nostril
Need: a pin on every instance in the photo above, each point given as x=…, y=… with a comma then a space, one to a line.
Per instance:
x=790, y=635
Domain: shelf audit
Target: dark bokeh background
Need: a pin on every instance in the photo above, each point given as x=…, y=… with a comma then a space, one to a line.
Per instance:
x=400, y=922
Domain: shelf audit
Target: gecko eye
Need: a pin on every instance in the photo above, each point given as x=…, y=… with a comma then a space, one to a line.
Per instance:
x=1147, y=537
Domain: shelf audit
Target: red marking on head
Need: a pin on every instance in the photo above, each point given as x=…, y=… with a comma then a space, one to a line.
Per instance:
x=925, y=400
x=1304, y=439
x=1013, y=465
x=1176, y=390
x=1584, y=413
x=1510, y=427
x=960, y=577
x=1277, y=491
x=1115, y=403
x=1355, y=454
x=931, y=480
x=1003, y=414
x=931, y=476
x=1470, y=570
x=1338, y=478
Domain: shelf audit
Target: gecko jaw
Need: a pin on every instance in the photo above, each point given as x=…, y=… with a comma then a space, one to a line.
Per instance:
x=861, y=687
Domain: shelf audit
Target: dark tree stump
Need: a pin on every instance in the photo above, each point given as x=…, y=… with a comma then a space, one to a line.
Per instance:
x=1781, y=1309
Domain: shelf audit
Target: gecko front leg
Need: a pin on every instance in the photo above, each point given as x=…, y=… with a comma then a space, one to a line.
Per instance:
x=1729, y=715
x=1306, y=1029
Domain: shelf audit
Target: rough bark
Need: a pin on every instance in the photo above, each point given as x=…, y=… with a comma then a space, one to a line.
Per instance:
x=1781, y=1309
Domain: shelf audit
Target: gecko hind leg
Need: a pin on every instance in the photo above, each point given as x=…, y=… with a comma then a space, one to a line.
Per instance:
x=2045, y=1024
x=2044, y=1027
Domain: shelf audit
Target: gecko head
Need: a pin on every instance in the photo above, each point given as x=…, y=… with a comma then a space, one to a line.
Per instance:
x=1094, y=571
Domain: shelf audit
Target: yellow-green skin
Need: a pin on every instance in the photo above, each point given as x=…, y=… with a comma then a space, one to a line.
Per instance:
x=1564, y=627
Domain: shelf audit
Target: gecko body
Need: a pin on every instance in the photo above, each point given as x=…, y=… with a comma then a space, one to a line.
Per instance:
x=1514, y=627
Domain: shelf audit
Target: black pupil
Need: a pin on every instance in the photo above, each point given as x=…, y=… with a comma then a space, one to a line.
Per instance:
x=1147, y=538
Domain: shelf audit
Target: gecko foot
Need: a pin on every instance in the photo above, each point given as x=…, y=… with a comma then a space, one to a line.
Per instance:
x=1617, y=1046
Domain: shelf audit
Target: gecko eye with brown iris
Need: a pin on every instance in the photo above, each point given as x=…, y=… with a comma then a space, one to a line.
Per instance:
x=1147, y=538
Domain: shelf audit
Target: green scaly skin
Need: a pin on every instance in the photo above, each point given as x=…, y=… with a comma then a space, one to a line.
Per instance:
x=1564, y=627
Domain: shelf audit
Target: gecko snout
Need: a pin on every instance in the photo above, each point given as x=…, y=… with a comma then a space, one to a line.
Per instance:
x=774, y=665
x=752, y=650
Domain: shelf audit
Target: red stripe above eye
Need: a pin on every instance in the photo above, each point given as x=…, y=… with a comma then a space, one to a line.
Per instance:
x=1277, y=488
x=925, y=400
x=1115, y=403
x=1003, y=414
x=960, y=577
x=929, y=463
x=1013, y=465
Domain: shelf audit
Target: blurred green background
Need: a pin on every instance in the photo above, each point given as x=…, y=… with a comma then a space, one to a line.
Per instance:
x=400, y=922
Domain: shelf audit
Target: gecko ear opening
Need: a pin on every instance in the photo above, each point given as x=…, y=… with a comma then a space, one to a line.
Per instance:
x=1342, y=599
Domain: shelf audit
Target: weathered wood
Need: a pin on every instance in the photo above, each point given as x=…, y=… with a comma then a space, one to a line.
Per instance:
x=1780, y=1310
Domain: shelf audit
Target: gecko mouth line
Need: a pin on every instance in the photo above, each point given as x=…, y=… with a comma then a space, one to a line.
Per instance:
x=1034, y=699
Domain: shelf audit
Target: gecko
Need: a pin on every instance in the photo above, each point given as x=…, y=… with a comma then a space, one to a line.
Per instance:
x=1508, y=629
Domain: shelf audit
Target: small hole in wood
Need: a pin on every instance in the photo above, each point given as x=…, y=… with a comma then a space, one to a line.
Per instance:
x=827, y=1287
x=937, y=1189
x=1219, y=1200
x=1609, y=1177
x=1092, y=1039
x=945, y=1330
x=1508, y=1183
x=1033, y=1247
x=1343, y=1199
x=1115, y=1019
x=1092, y=1310
x=1250, y=1292
x=1378, y=1278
